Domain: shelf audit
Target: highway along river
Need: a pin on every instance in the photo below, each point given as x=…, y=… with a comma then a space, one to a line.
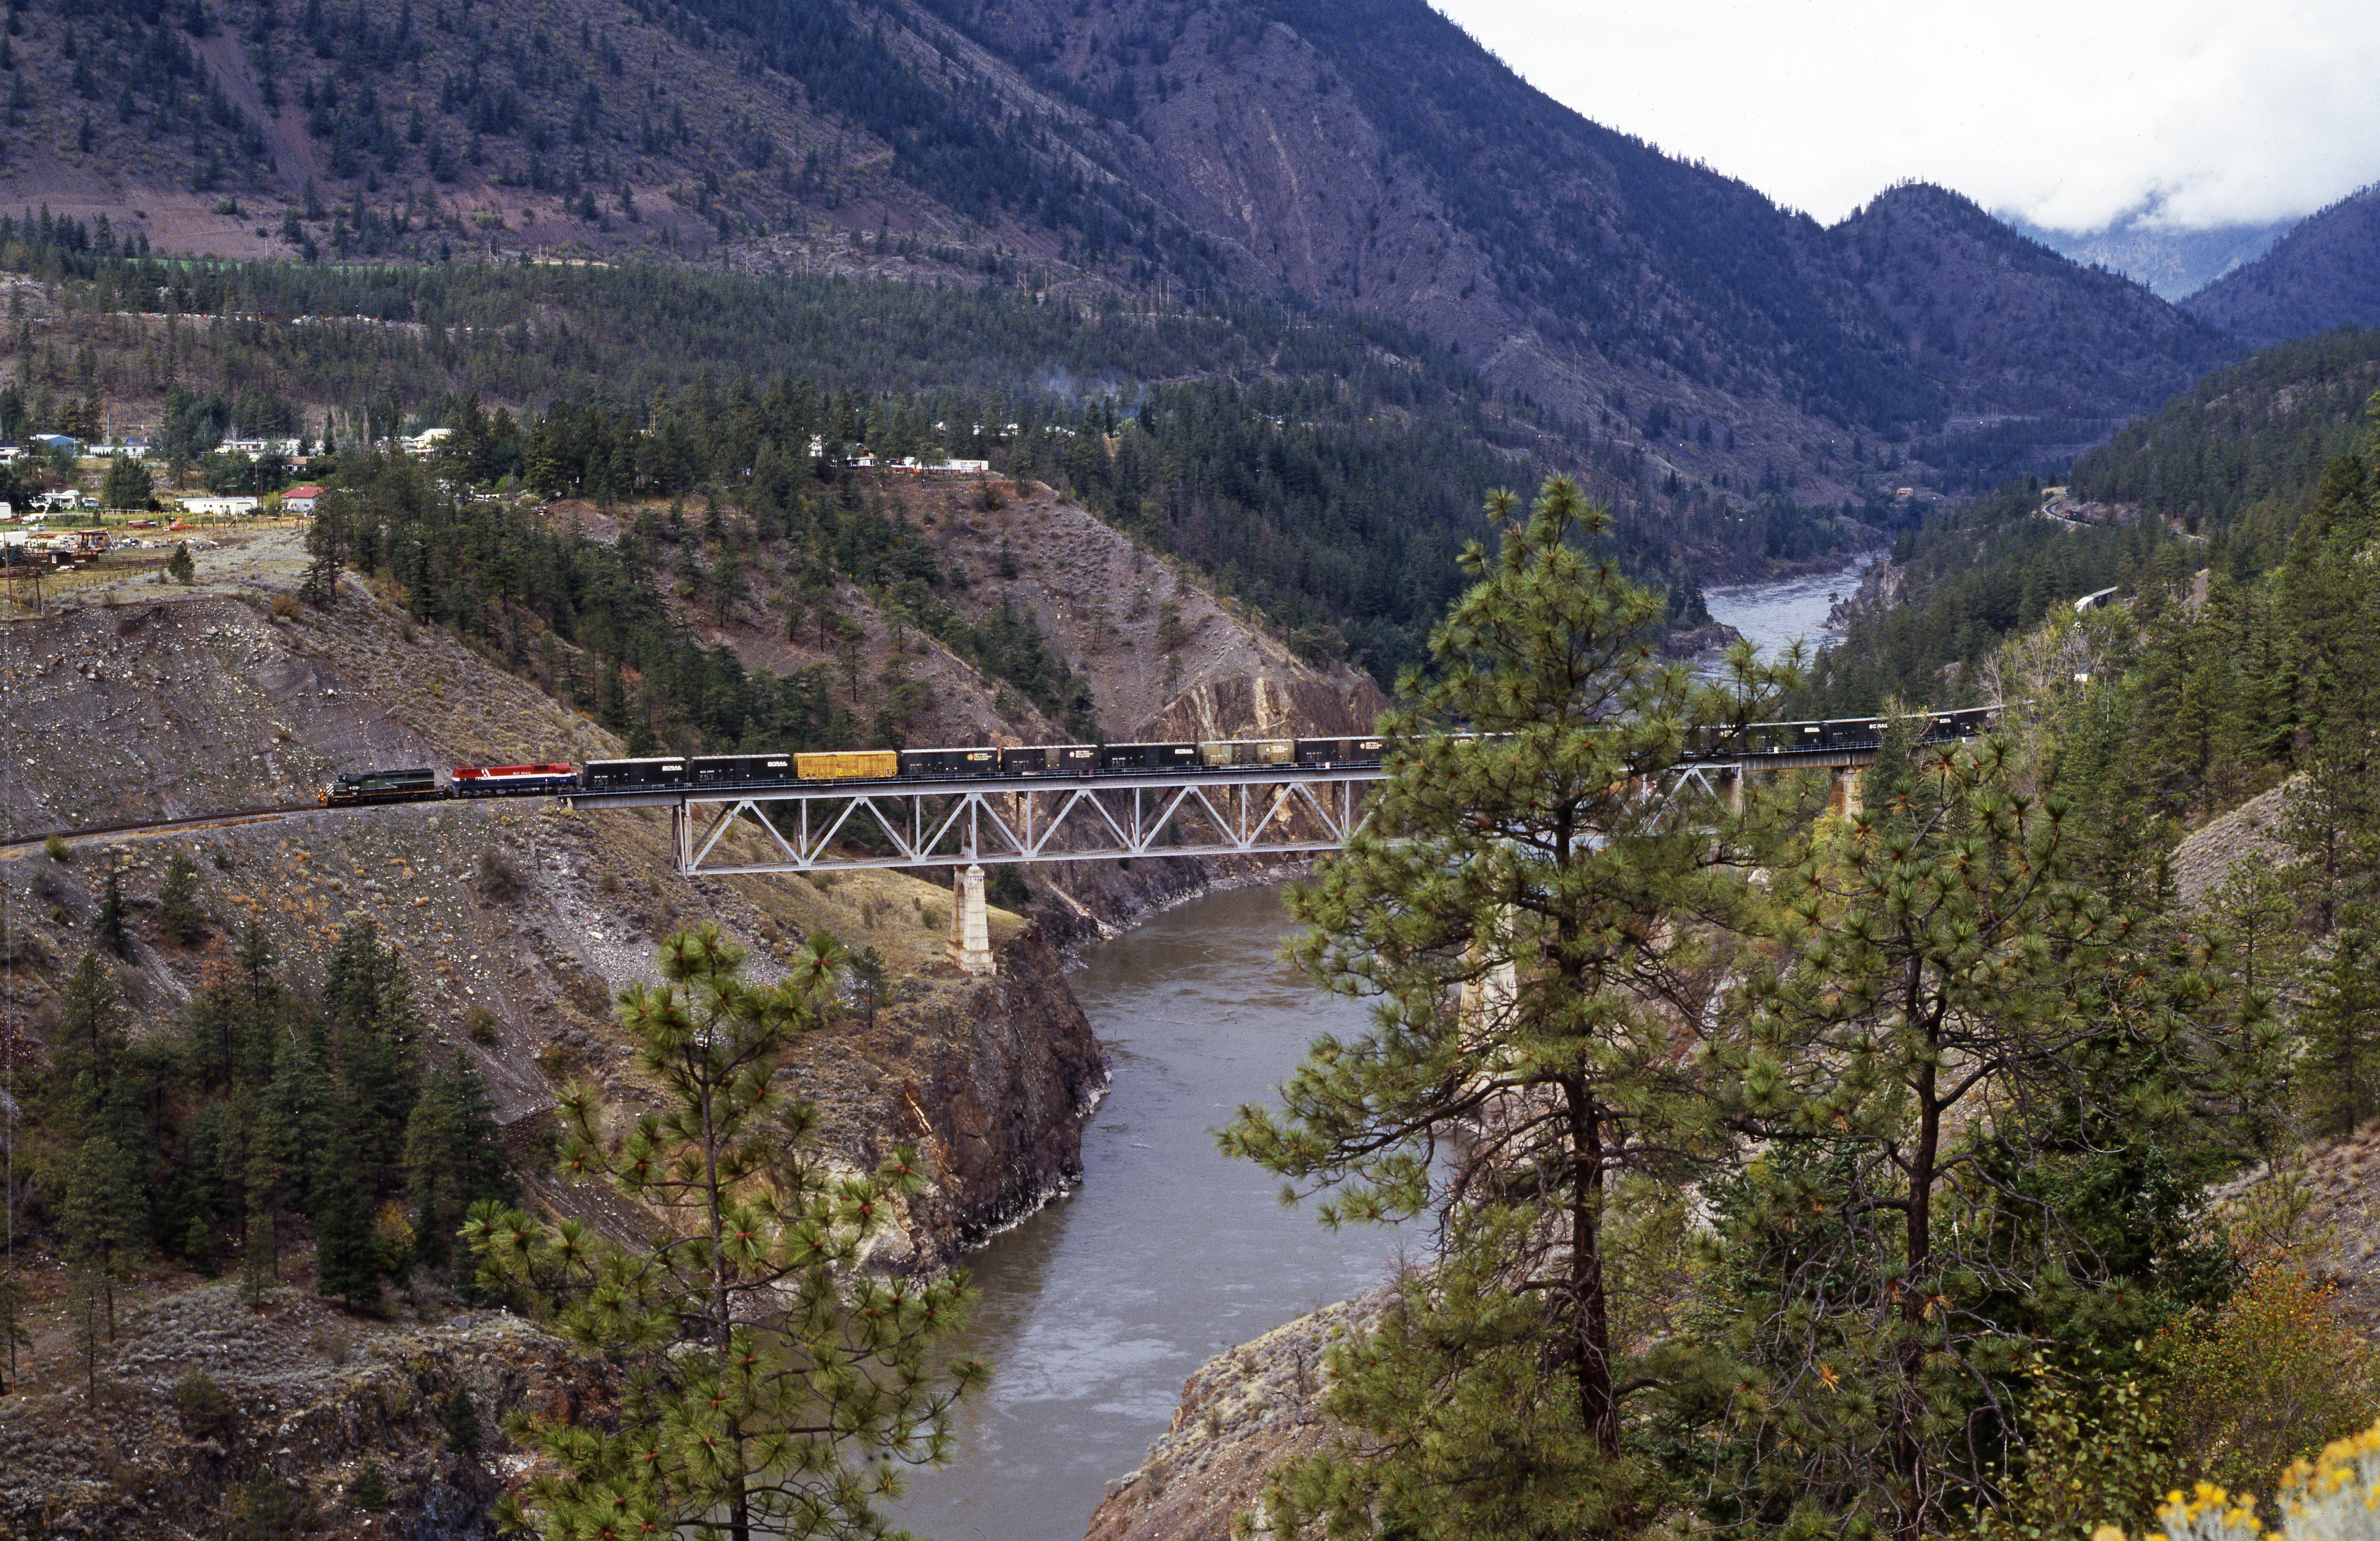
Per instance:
x=1094, y=1311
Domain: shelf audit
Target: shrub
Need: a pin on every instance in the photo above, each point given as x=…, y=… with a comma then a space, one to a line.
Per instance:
x=207, y=1411
x=460, y=1418
x=369, y=1492
x=2268, y=1379
x=2332, y=1497
x=57, y=849
x=269, y=1509
x=1007, y=888
x=2095, y=1450
x=479, y=1025
x=500, y=878
x=179, y=567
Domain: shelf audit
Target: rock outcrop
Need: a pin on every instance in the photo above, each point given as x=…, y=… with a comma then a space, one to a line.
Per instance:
x=1242, y=1414
x=208, y=1411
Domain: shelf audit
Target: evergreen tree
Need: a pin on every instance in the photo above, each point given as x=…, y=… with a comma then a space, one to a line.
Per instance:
x=14, y=1332
x=111, y=924
x=1894, y=1247
x=374, y=1024
x=88, y=1066
x=2341, y=1028
x=125, y=485
x=102, y=1219
x=1519, y=910
x=180, y=567
x=179, y=915
x=452, y=1157
x=774, y=1388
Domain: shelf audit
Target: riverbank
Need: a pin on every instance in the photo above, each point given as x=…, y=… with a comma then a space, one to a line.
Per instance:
x=1095, y=1313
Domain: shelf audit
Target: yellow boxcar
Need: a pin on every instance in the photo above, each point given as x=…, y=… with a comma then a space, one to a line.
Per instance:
x=1220, y=753
x=865, y=764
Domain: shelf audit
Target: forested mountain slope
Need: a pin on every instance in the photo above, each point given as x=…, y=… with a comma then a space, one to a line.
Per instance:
x=2221, y=478
x=1358, y=155
x=2324, y=272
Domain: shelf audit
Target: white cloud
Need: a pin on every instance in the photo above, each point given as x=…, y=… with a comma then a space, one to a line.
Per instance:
x=2071, y=113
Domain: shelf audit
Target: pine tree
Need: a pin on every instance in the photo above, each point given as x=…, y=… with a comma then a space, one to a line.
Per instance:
x=452, y=1157
x=88, y=1061
x=2341, y=1068
x=110, y=924
x=1959, y=1040
x=774, y=1389
x=347, y=1254
x=179, y=915
x=1518, y=906
x=102, y=1219
x=180, y=567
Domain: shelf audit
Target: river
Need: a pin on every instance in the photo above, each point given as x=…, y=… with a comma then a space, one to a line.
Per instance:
x=1094, y=1311
x=1770, y=616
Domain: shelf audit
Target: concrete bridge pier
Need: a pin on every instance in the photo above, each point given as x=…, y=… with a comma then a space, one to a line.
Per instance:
x=970, y=925
x=1843, y=791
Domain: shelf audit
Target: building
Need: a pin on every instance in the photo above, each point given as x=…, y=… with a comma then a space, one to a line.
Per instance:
x=426, y=443
x=301, y=499
x=219, y=508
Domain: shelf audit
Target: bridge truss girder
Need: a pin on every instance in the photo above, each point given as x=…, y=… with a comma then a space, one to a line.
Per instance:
x=1278, y=811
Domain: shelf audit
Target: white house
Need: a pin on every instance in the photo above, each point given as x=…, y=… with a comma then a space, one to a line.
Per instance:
x=219, y=508
x=301, y=499
x=426, y=443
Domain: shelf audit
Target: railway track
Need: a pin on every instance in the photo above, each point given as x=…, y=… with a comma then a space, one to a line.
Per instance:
x=14, y=846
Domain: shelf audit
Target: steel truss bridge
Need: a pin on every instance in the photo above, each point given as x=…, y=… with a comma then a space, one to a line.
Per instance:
x=1240, y=811
x=1270, y=810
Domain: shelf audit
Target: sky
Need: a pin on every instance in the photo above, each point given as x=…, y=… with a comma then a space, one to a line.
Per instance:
x=2183, y=114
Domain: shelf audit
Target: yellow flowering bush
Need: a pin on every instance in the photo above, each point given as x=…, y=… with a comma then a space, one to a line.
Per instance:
x=2335, y=1496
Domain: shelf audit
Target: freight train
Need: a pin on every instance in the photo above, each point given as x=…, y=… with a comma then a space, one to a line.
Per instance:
x=1047, y=762
x=723, y=772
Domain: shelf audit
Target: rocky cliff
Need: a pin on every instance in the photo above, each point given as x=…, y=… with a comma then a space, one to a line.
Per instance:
x=518, y=922
x=213, y=1417
x=1242, y=1414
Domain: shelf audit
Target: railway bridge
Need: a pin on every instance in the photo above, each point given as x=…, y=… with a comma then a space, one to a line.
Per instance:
x=1239, y=810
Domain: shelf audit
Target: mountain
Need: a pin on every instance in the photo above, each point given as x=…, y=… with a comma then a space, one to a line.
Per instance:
x=2172, y=262
x=2324, y=272
x=1360, y=155
x=2002, y=324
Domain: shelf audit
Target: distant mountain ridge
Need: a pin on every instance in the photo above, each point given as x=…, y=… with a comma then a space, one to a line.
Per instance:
x=2172, y=262
x=1354, y=154
x=2324, y=273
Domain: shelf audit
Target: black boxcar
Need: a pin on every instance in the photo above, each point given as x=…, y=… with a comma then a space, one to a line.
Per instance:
x=939, y=763
x=1149, y=757
x=658, y=773
x=741, y=769
x=1049, y=759
x=1319, y=752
